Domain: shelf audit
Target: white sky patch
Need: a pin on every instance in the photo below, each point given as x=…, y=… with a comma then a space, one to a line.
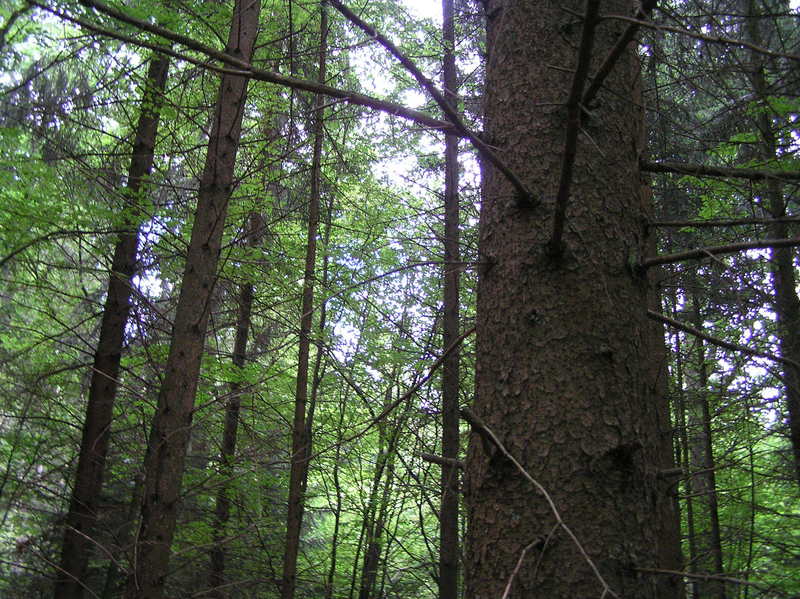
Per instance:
x=428, y=9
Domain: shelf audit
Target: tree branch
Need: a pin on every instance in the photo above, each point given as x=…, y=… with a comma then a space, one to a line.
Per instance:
x=718, y=250
x=719, y=342
x=574, y=112
x=524, y=196
x=732, y=222
x=243, y=67
x=700, y=170
x=715, y=39
x=615, y=54
x=442, y=461
x=680, y=574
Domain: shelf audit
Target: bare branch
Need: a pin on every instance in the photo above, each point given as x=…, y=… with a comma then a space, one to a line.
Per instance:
x=700, y=170
x=574, y=111
x=719, y=342
x=714, y=39
x=718, y=250
x=243, y=67
x=680, y=574
x=732, y=222
x=615, y=54
x=442, y=461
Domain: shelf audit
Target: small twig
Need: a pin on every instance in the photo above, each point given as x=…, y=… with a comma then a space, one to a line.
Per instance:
x=481, y=428
x=718, y=250
x=542, y=543
x=719, y=342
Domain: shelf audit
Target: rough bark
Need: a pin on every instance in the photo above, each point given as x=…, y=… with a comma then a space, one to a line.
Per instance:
x=169, y=435
x=448, y=515
x=81, y=520
x=300, y=428
x=562, y=375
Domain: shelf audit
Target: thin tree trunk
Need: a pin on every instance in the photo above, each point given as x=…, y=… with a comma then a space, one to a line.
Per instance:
x=337, y=510
x=703, y=482
x=670, y=554
x=562, y=376
x=448, y=516
x=115, y=577
x=784, y=280
x=375, y=514
x=300, y=428
x=229, y=434
x=169, y=436
x=81, y=520
x=369, y=572
x=686, y=460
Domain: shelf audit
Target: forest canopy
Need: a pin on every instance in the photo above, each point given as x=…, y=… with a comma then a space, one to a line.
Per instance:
x=322, y=298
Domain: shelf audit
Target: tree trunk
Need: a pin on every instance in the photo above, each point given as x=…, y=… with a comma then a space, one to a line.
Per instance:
x=671, y=555
x=562, y=375
x=169, y=436
x=786, y=302
x=229, y=434
x=81, y=520
x=300, y=428
x=703, y=482
x=448, y=515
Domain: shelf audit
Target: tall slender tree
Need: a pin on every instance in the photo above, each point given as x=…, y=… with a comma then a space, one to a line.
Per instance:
x=171, y=428
x=784, y=278
x=222, y=508
x=301, y=428
x=81, y=520
x=448, y=513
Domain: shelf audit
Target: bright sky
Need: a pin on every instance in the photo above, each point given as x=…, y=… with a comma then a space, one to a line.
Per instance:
x=431, y=9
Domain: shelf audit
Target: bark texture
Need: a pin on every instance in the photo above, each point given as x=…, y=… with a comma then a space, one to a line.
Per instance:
x=81, y=520
x=169, y=435
x=563, y=375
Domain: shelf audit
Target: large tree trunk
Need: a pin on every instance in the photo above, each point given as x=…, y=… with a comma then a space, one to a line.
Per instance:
x=169, y=436
x=301, y=430
x=82, y=517
x=562, y=375
x=448, y=515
